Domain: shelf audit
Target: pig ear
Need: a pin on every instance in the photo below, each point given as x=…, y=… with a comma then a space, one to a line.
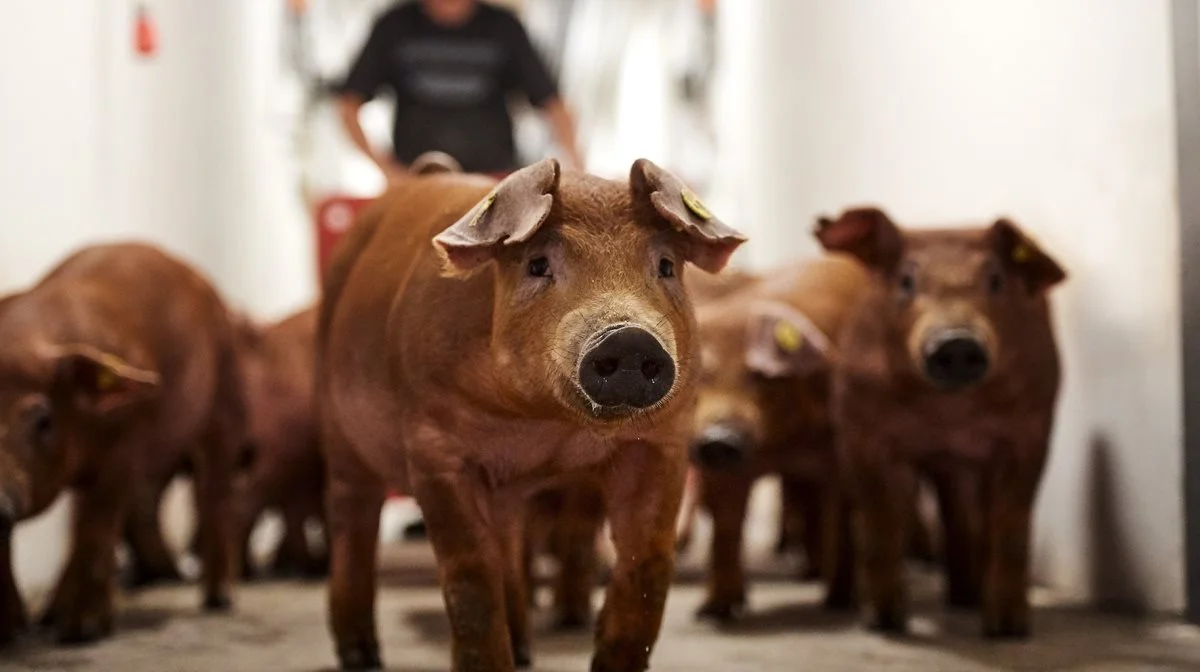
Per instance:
x=866, y=233
x=1020, y=254
x=99, y=382
x=511, y=213
x=712, y=241
x=782, y=342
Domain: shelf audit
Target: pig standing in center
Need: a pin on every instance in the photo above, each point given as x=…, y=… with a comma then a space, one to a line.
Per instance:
x=545, y=334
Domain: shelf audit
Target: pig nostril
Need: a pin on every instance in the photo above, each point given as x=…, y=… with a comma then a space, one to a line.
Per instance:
x=957, y=362
x=651, y=368
x=606, y=366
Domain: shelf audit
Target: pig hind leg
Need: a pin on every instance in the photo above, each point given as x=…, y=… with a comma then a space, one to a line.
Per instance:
x=215, y=464
x=12, y=608
x=579, y=525
x=152, y=560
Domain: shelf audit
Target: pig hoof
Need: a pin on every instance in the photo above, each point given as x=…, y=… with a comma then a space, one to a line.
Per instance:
x=218, y=602
x=85, y=630
x=360, y=657
x=963, y=599
x=838, y=601
x=890, y=623
x=1006, y=630
x=719, y=612
x=571, y=623
x=521, y=657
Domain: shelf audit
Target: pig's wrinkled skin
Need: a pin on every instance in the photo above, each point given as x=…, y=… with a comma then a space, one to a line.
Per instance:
x=118, y=360
x=948, y=370
x=764, y=409
x=285, y=471
x=544, y=334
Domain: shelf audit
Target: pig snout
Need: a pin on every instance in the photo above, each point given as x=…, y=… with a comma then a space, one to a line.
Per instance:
x=624, y=365
x=720, y=447
x=955, y=358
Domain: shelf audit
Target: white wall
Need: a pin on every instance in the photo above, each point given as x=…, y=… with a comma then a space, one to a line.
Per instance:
x=1059, y=114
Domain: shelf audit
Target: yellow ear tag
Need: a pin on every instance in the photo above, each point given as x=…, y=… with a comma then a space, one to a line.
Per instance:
x=487, y=203
x=105, y=380
x=788, y=337
x=1021, y=253
x=695, y=206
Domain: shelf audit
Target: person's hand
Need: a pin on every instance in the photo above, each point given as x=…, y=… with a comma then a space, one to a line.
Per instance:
x=393, y=171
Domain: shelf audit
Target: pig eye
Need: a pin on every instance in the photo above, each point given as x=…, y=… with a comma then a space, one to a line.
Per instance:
x=41, y=424
x=666, y=268
x=539, y=267
x=995, y=282
x=908, y=283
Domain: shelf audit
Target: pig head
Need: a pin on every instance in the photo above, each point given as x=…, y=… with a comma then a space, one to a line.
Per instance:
x=602, y=301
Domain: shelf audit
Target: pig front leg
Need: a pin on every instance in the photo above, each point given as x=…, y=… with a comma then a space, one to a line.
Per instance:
x=1012, y=487
x=472, y=566
x=726, y=496
x=512, y=520
x=837, y=547
x=353, y=508
x=959, y=503
x=642, y=493
x=82, y=608
x=884, y=491
x=13, y=618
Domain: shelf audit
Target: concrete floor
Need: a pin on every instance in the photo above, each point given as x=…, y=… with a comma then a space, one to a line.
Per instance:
x=281, y=626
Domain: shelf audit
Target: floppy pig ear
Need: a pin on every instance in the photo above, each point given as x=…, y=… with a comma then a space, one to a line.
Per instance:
x=511, y=213
x=712, y=241
x=782, y=342
x=866, y=233
x=1017, y=251
x=98, y=381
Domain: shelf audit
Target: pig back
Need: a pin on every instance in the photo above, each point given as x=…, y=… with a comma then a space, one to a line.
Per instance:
x=826, y=290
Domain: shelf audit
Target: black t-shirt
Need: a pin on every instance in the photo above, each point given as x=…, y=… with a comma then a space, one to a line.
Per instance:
x=451, y=84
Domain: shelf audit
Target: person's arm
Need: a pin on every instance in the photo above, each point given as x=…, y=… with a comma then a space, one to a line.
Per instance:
x=562, y=124
x=349, y=105
x=366, y=77
x=531, y=76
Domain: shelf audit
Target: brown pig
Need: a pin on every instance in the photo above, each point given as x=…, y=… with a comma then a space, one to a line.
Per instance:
x=948, y=370
x=545, y=333
x=763, y=409
x=118, y=360
x=285, y=471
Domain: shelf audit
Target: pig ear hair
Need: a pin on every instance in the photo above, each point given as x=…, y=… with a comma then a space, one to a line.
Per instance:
x=430, y=163
x=864, y=232
x=1019, y=253
x=99, y=381
x=782, y=342
x=511, y=213
x=712, y=241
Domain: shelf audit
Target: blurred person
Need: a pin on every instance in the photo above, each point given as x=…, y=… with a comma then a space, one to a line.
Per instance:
x=452, y=65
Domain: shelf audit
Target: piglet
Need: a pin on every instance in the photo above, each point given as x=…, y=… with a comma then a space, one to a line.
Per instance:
x=117, y=356
x=478, y=341
x=283, y=470
x=948, y=370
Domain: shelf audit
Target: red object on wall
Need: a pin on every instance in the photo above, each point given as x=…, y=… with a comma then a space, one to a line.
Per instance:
x=145, y=34
x=335, y=215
